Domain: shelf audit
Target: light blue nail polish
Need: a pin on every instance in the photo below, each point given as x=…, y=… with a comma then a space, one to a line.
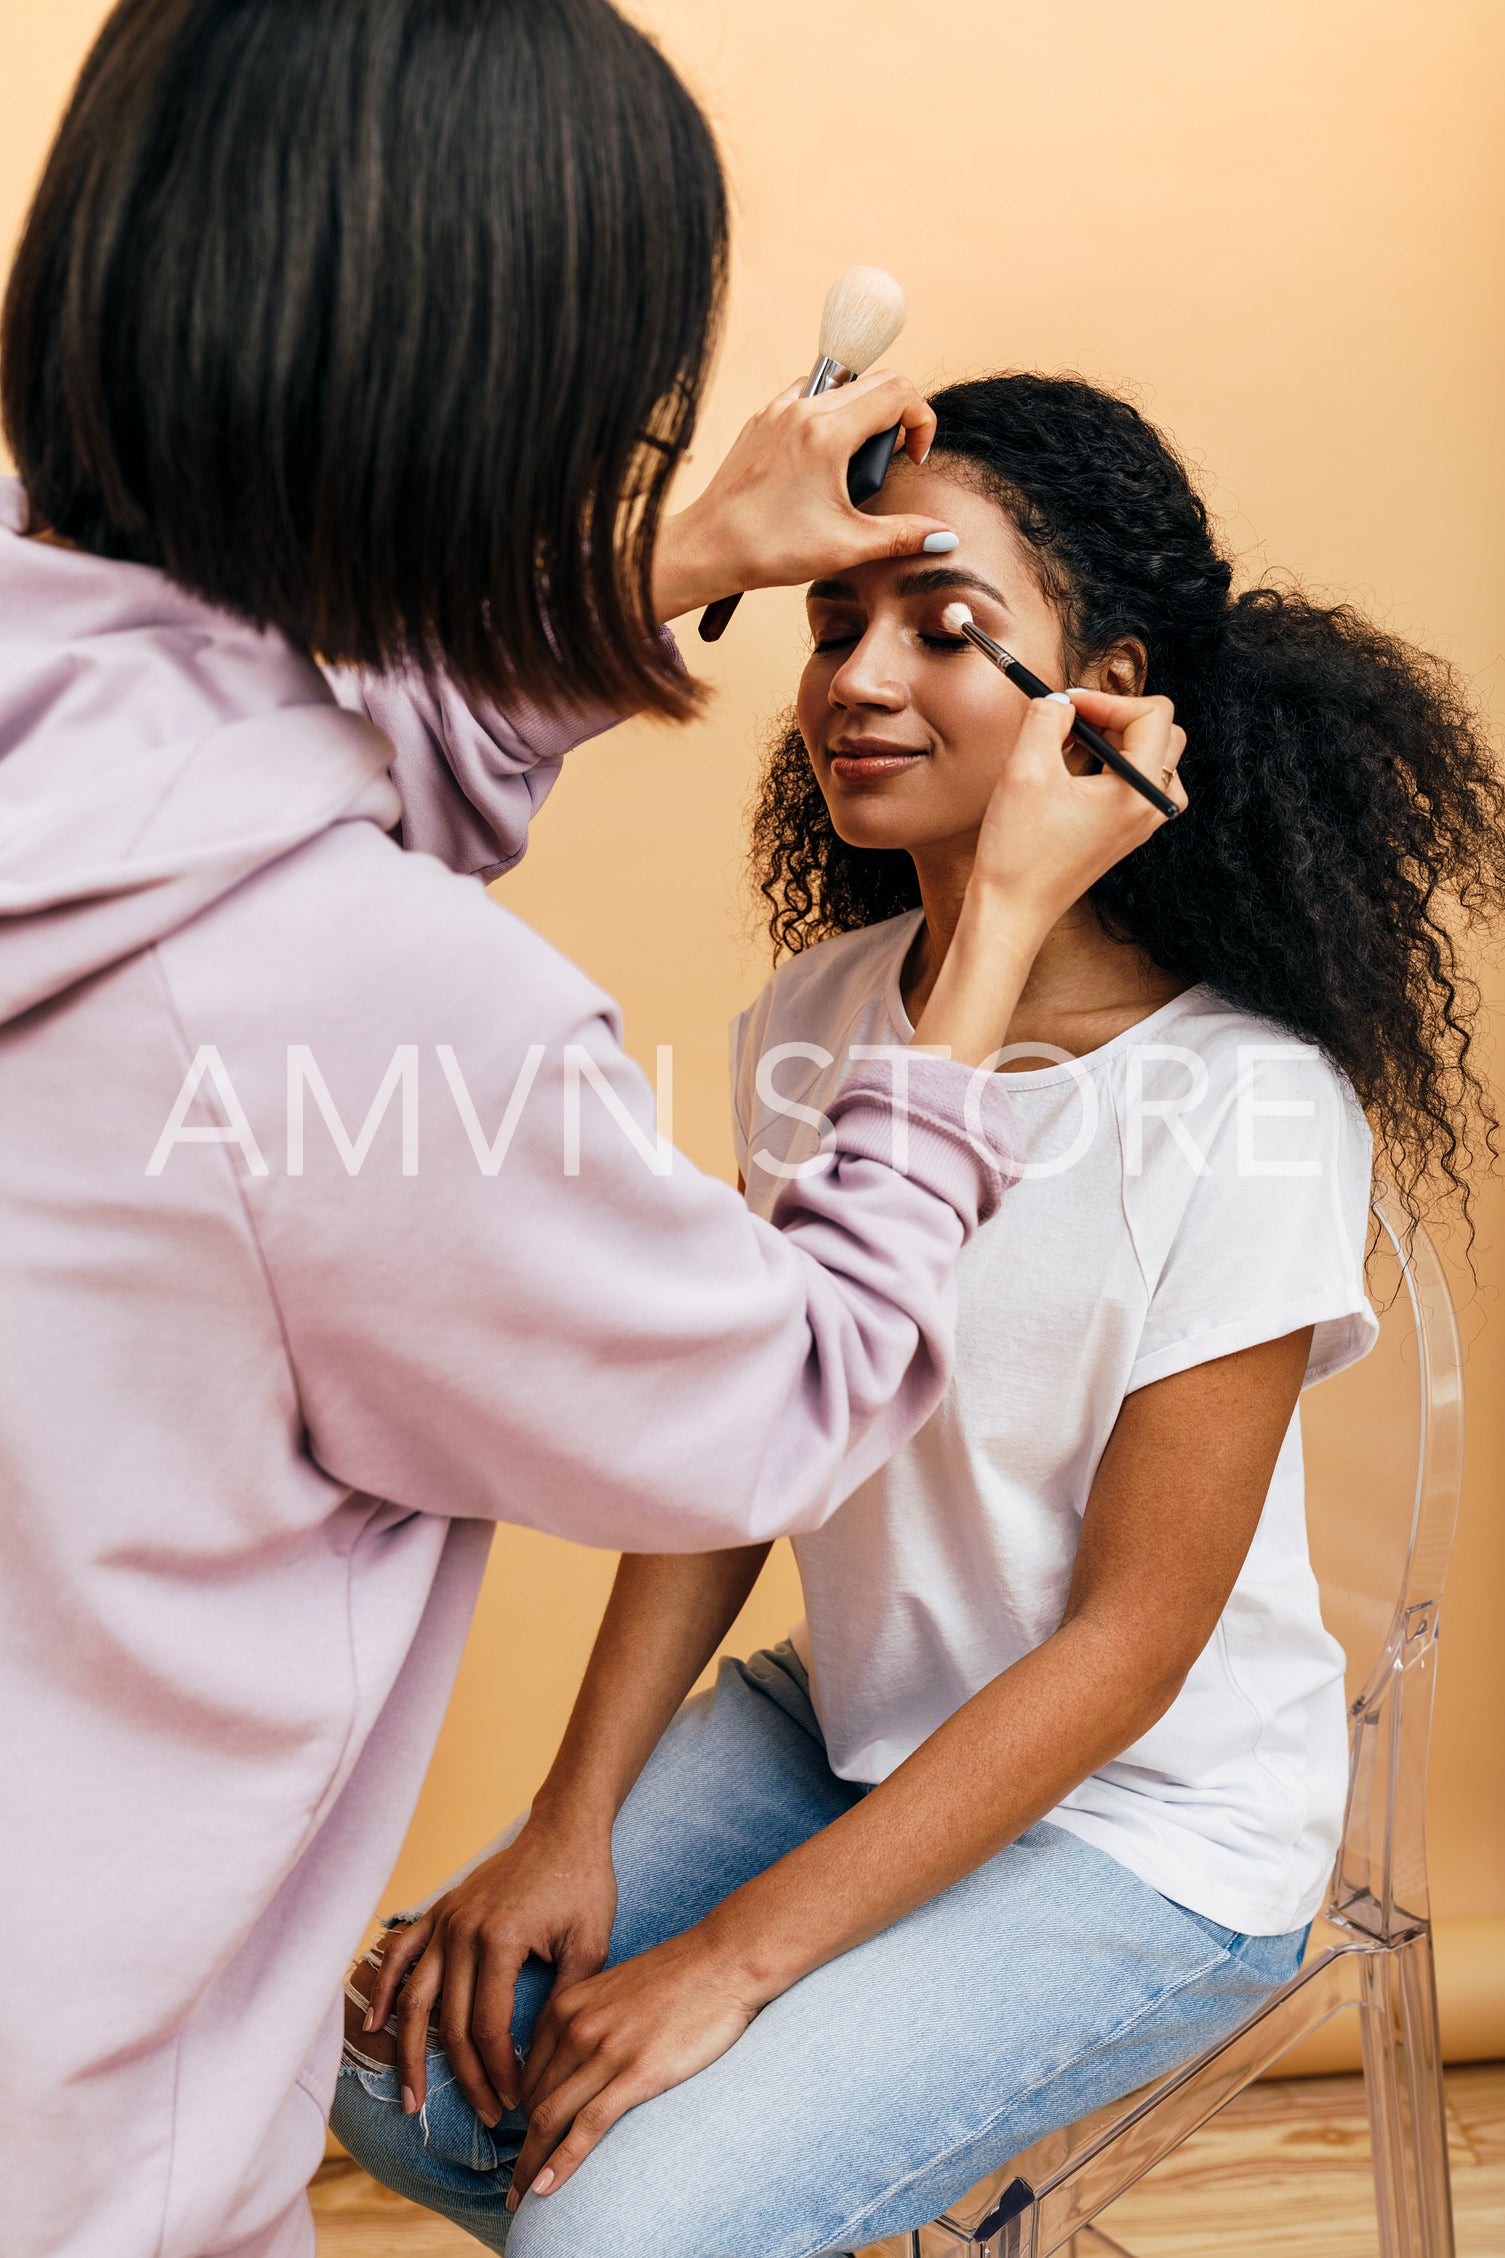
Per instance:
x=941, y=544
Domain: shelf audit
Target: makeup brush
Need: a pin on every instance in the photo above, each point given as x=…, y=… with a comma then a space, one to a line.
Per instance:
x=863, y=314
x=958, y=620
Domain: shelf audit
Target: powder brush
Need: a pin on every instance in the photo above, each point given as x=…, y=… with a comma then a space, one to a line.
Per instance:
x=863, y=314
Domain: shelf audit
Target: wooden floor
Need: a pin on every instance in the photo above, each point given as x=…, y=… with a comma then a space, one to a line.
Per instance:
x=1283, y=2173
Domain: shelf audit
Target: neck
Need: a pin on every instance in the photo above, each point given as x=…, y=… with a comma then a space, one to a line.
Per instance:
x=1083, y=988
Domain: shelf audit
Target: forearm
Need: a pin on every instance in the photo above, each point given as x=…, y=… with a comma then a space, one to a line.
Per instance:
x=667, y=1615
x=980, y=982
x=690, y=565
x=1173, y=1509
x=1000, y=1763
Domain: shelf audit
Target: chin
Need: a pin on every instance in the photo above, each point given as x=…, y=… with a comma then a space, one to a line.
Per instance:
x=857, y=828
x=876, y=816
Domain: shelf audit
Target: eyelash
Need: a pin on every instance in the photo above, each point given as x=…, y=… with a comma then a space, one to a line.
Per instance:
x=934, y=642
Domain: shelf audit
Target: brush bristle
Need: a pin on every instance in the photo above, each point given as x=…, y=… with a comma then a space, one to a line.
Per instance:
x=864, y=312
x=955, y=617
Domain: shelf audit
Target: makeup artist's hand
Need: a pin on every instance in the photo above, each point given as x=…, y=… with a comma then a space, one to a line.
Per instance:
x=1050, y=833
x=1047, y=837
x=602, y=2047
x=777, y=512
x=551, y=1892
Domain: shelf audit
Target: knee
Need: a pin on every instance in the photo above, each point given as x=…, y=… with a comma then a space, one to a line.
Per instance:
x=594, y=2212
x=638, y=2202
x=410, y=2154
x=367, y=2118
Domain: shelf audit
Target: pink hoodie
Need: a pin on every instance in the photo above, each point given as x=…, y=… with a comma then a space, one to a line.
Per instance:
x=256, y=1423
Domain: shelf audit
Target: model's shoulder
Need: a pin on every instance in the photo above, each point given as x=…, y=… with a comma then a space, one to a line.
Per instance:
x=849, y=967
x=1254, y=1096
x=1230, y=1040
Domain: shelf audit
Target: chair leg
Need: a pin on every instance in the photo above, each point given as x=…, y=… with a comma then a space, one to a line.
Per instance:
x=1407, y=2104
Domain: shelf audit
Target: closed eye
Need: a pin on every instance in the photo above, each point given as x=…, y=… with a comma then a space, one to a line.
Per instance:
x=838, y=642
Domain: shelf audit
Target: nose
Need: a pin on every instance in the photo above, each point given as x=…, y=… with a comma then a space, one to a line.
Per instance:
x=871, y=674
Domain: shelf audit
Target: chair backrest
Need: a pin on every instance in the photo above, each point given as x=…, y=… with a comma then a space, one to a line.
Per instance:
x=1384, y=1456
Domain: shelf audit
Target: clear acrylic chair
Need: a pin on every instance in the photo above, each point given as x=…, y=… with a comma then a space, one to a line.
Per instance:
x=1389, y=1432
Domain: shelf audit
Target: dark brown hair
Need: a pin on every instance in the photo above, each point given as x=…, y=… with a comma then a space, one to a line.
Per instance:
x=1347, y=823
x=379, y=322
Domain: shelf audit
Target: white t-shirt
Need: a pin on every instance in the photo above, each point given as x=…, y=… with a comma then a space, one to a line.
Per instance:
x=1196, y=1186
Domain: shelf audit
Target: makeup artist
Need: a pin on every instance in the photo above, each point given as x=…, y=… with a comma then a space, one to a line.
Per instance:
x=348, y=353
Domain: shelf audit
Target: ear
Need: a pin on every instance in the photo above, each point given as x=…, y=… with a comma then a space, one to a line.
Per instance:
x=1124, y=668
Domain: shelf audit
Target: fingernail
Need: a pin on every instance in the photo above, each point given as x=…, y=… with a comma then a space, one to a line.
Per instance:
x=1059, y=698
x=369, y=2020
x=543, y=2183
x=409, y=2104
x=512, y=2199
x=941, y=544
x=924, y=459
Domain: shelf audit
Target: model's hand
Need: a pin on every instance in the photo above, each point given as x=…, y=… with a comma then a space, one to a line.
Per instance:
x=777, y=512
x=553, y=1893
x=603, y=2046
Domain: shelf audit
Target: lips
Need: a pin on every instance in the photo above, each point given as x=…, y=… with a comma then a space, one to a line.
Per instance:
x=865, y=760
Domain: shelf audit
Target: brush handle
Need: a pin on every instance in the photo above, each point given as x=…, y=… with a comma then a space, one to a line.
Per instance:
x=865, y=475
x=715, y=618
x=1093, y=742
x=869, y=466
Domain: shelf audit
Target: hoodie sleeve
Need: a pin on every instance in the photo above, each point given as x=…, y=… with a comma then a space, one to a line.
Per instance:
x=470, y=777
x=522, y=1304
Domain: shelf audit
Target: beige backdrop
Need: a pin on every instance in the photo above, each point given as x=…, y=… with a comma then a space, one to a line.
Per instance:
x=1281, y=227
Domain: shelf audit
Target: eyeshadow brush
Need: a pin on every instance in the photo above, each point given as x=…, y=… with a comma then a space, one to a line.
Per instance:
x=957, y=620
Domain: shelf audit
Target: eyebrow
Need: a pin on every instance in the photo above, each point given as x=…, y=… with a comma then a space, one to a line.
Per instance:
x=929, y=581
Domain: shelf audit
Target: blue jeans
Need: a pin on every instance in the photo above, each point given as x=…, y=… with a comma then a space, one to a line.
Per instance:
x=876, y=2091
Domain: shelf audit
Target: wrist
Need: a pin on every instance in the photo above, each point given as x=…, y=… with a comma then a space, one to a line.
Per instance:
x=575, y=1811
x=687, y=570
x=995, y=915
x=745, y=1956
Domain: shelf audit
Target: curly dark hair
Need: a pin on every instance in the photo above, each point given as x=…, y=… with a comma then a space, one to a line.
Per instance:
x=1345, y=824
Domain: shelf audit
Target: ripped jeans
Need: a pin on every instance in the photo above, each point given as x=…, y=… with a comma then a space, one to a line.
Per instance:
x=877, y=2090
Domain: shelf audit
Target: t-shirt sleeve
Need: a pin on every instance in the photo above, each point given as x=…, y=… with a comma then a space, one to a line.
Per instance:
x=1251, y=1213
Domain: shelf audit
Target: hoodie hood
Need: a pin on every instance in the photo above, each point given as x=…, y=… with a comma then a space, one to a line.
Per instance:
x=154, y=754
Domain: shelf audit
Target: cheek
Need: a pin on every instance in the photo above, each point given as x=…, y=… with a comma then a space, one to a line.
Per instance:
x=971, y=699
x=812, y=701
x=978, y=716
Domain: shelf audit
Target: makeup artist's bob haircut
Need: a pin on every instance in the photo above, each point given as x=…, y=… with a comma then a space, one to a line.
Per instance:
x=379, y=322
